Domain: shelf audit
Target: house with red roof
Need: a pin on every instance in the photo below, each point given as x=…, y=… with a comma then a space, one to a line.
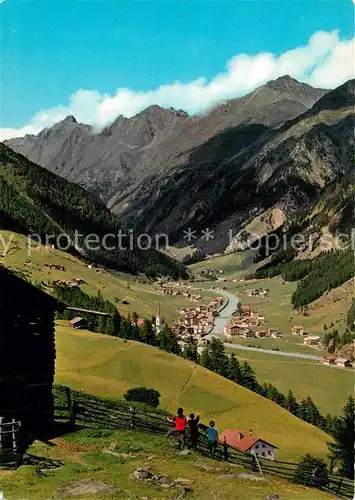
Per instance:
x=298, y=330
x=246, y=441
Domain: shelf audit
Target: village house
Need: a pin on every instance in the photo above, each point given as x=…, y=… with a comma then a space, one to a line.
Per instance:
x=255, y=320
x=239, y=329
x=258, y=292
x=312, y=340
x=196, y=321
x=261, y=333
x=328, y=360
x=78, y=323
x=139, y=322
x=343, y=363
x=298, y=330
x=245, y=441
x=273, y=333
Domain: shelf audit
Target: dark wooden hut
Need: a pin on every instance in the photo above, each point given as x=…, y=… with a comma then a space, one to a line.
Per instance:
x=27, y=353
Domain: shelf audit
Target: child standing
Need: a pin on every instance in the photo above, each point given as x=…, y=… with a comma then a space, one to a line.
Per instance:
x=212, y=437
x=193, y=429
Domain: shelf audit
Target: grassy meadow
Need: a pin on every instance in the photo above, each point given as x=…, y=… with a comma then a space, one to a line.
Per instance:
x=84, y=455
x=141, y=297
x=329, y=387
x=107, y=366
x=234, y=265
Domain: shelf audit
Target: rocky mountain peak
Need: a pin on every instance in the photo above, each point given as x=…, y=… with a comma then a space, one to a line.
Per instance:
x=283, y=83
x=69, y=119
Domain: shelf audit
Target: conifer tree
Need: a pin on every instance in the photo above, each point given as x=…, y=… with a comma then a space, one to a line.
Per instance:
x=168, y=341
x=218, y=357
x=147, y=333
x=291, y=404
x=342, y=450
x=205, y=359
x=248, y=378
x=234, y=371
x=190, y=350
x=126, y=328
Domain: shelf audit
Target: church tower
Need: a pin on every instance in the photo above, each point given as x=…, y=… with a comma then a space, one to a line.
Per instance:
x=158, y=321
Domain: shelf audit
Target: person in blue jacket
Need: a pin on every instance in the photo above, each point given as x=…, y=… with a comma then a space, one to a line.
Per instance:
x=212, y=438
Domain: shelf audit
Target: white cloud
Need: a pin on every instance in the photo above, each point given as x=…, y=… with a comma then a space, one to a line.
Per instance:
x=3, y=1
x=325, y=61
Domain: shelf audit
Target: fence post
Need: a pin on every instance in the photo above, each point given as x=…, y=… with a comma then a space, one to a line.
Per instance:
x=1, y=443
x=71, y=406
x=257, y=461
x=13, y=435
x=339, y=485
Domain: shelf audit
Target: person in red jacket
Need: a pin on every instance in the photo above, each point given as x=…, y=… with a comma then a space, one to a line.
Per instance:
x=179, y=429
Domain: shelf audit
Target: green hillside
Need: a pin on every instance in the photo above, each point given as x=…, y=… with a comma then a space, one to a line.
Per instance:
x=108, y=366
x=112, y=456
x=34, y=200
x=46, y=265
x=329, y=387
x=233, y=265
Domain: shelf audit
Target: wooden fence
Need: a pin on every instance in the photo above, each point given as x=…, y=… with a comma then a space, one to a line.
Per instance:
x=10, y=450
x=85, y=411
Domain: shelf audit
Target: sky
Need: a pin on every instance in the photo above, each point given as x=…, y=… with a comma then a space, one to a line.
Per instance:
x=97, y=59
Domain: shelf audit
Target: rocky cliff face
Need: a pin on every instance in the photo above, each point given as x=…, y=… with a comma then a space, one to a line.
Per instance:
x=161, y=170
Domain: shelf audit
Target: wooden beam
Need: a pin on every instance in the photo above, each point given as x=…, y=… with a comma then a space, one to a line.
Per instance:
x=98, y=313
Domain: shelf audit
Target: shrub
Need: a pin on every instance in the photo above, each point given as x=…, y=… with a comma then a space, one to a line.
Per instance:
x=311, y=471
x=143, y=395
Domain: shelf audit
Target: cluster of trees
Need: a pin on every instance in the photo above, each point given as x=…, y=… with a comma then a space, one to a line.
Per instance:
x=329, y=271
x=75, y=297
x=115, y=324
x=290, y=270
x=146, y=334
x=315, y=276
x=143, y=395
x=197, y=256
x=34, y=200
x=312, y=471
x=341, y=428
x=215, y=359
x=334, y=341
x=342, y=451
x=350, y=321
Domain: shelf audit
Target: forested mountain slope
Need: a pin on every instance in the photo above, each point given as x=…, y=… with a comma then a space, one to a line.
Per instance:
x=34, y=200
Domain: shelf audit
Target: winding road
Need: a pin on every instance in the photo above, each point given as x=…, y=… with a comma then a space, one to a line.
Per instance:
x=222, y=319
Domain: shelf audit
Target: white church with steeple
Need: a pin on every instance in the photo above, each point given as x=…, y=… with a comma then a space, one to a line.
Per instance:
x=159, y=323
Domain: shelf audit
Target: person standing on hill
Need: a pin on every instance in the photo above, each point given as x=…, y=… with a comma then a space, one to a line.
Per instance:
x=192, y=425
x=212, y=438
x=180, y=422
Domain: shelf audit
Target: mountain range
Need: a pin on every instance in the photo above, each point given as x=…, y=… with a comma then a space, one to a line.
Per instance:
x=248, y=164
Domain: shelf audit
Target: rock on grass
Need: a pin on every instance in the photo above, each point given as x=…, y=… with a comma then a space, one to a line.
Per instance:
x=84, y=487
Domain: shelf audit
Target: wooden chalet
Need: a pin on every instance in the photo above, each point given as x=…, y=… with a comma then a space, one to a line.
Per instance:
x=27, y=353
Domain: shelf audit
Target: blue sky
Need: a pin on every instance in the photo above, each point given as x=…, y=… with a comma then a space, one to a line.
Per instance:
x=51, y=48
